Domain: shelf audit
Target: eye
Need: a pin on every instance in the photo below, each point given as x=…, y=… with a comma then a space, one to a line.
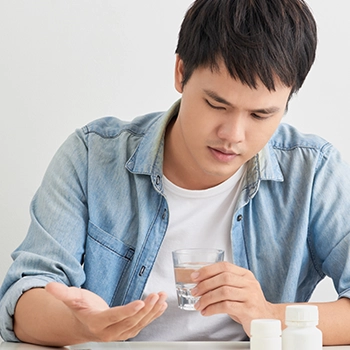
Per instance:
x=214, y=107
x=258, y=117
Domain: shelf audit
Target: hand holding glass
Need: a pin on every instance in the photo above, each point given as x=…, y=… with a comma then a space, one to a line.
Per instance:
x=186, y=261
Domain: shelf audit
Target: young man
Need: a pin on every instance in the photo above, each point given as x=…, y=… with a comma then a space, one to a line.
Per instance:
x=217, y=170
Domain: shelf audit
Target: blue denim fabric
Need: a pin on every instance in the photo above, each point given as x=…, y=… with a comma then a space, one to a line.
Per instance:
x=99, y=216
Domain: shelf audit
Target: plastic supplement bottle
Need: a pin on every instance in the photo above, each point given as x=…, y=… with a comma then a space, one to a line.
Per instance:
x=301, y=332
x=265, y=334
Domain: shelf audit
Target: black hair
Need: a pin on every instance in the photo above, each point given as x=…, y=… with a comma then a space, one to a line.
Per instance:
x=256, y=39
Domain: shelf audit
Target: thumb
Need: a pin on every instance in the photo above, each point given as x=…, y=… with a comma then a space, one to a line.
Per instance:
x=58, y=290
x=71, y=296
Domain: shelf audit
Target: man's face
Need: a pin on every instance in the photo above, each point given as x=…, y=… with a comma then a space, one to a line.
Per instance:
x=221, y=124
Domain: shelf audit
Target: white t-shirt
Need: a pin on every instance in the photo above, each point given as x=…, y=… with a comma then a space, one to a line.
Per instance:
x=197, y=219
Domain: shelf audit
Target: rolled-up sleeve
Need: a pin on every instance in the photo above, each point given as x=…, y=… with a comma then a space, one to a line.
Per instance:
x=9, y=301
x=53, y=249
x=329, y=228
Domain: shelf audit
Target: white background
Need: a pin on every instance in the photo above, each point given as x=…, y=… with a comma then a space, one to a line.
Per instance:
x=64, y=63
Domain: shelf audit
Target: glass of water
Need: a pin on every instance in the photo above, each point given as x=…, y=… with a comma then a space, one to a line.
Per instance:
x=187, y=261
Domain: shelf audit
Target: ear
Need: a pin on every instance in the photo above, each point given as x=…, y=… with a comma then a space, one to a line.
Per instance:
x=179, y=74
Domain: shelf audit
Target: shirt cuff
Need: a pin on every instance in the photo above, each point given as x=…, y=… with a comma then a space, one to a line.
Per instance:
x=9, y=301
x=344, y=294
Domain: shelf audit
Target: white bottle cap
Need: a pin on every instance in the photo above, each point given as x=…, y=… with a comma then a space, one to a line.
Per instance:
x=301, y=315
x=265, y=328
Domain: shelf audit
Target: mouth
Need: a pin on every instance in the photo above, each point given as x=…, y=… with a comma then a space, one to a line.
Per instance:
x=222, y=154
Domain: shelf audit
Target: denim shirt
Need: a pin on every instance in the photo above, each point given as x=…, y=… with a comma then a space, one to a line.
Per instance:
x=100, y=215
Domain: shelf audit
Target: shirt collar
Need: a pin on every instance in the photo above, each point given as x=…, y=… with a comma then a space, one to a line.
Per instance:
x=269, y=165
x=148, y=157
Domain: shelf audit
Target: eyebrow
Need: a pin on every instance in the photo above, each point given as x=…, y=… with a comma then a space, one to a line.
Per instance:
x=219, y=99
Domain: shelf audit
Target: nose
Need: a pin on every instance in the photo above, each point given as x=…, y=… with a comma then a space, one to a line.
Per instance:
x=232, y=130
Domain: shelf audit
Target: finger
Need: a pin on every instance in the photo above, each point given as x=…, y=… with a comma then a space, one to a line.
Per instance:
x=132, y=332
x=232, y=308
x=218, y=295
x=119, y=314
x=133, y=311
x=217, y=268
x=153, y=303
x=220, y=280
x=252, y=298
x=155, y=306
x=157, y=309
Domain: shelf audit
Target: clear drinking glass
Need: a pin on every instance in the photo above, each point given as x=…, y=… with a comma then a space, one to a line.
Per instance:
x=187, y=261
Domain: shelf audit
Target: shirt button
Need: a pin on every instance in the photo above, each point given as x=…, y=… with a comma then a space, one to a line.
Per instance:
x=158, y=180
x=164, y=214
x=239, y=217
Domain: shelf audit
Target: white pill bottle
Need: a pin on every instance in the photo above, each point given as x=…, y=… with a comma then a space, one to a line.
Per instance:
x=301, y=332
x=265, y=334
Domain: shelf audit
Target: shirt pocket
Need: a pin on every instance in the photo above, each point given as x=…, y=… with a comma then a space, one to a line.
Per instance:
x=106, y=260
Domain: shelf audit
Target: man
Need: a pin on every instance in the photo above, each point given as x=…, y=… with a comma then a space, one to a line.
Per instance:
x=217, y=170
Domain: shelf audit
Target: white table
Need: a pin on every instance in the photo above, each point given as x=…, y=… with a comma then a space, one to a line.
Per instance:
x=149, y=346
